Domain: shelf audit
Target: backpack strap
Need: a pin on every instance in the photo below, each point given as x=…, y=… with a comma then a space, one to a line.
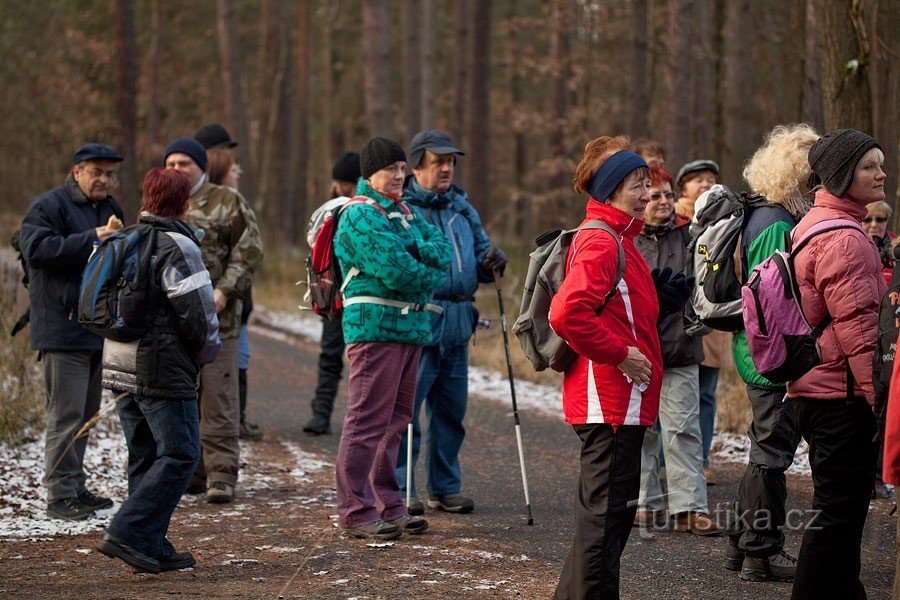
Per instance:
x=402, y=211
x=404, y=306
x=620, y=267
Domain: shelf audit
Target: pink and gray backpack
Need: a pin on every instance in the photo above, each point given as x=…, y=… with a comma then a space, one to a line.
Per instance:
x=782, y=343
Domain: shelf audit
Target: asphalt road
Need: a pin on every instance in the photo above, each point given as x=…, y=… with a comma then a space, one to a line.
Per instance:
x=659, y=565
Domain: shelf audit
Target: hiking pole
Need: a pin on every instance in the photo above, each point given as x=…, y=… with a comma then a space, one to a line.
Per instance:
x=409, y=465
x=512, y=391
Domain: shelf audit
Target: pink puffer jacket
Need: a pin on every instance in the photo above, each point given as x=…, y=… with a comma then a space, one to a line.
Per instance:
x=839, y=273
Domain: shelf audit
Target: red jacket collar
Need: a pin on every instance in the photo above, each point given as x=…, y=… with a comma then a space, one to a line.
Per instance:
x=623, y=224
x=826, y=199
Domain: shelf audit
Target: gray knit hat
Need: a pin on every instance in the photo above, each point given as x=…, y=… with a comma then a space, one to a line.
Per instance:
x=694, y=166
x=834, y=156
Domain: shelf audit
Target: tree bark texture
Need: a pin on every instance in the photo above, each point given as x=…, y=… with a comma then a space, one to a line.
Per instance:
x=886, y=88
x=126, y=107
x=845, y=64
x=561, y=16
x=702, y=61
x=638, y=98
x=679, y=80
x=739, y=108
x=377, y=68
x=302, y=107
x=461, y=75
x=412, y=69
x=428, y=63
x=812, y=106
x=235, y=109
x=478, y=164
x=153, y=65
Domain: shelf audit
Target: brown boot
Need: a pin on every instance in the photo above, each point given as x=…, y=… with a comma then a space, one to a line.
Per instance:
x=697, y=523
x=654, y=519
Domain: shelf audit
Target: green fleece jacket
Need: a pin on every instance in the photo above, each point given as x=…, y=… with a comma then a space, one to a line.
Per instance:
x=763, y=235
x=394, y=262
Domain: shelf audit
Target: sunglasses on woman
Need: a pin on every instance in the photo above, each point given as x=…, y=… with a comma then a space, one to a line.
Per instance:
x=875, y=220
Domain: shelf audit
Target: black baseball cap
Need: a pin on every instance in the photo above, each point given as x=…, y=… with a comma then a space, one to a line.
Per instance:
x=94, y=151
x=432, y=140
x=213, y=135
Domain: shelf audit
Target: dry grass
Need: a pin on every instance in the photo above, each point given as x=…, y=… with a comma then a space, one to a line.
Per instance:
x=21, y=387
x=732, y=407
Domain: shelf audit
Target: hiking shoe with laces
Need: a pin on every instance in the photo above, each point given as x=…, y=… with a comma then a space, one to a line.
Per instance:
x=376, y=530
x=70, y=509
x=415, y=507
x=697, y=523
x=410, y=525
x=778, y=567
x=452, y=503
x=174, y=562
x=734, y=557
x=93, y=501
x=219, y=492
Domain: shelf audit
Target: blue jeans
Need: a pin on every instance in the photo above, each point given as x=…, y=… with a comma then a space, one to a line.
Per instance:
x=443, y=383
x=163, y=438
x=709, y=379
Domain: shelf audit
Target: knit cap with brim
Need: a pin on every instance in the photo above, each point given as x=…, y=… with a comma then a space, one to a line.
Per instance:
x=834, y=156
x=379, y=153
x=694, y=166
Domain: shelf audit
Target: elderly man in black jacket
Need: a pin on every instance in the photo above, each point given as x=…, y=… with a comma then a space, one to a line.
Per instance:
x=57, y=238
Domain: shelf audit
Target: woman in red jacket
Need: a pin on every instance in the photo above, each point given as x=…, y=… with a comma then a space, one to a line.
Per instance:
x=611, y=392
x=839, y=276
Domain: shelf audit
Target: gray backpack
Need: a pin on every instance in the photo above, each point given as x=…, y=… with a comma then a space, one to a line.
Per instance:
x=546, y=270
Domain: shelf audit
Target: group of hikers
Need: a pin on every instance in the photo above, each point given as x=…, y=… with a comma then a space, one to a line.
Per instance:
x=411, y=251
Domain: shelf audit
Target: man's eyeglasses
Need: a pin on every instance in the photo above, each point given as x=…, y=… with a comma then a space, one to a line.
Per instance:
x=869, y=219
x=110, y=175
x=659, y=196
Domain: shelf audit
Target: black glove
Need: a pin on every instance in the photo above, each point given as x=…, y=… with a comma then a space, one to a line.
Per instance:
x=672, y=292
x=494, y=259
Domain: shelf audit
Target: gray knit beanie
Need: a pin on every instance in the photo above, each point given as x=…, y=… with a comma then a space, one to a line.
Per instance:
x=834, y=156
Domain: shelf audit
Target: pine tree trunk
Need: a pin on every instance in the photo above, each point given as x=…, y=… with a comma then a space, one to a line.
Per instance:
x=302, y=107
x=153, y=63
x=412, y=69
x=886, y=92
x=701, y=81
x=461, y=76
x=238, y=124
x=428, y=61
x=638, y=99
x=812, y=108
x=679, y=80
x=126, y=107
x=376, y=67
x=478, y=161
x=739, y=96
x=845, y=64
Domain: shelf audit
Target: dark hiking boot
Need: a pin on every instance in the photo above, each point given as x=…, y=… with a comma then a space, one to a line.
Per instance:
x=318, y=425
x=93, y=501
x=410, y=525
x=195, y=488
x=70, y=509
x=734, y=557
x=250, y=431
x=452, y=503
x=219, y=492
x=140, y=562
x=179, y=560
x=376, y=530
x=415, y=507
x=778, y=567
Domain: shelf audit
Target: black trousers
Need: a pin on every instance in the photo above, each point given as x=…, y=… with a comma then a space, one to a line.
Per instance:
x=760, y=509
x=331, y=365
x=842, y=456
x=608, y=488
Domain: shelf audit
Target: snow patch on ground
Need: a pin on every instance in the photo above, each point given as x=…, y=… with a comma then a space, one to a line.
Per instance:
x=732, y=447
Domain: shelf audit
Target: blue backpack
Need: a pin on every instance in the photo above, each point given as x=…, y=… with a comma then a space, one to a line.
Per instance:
x=115, y=296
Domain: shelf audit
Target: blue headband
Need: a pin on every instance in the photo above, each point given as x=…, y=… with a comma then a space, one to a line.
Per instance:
x=612, y=172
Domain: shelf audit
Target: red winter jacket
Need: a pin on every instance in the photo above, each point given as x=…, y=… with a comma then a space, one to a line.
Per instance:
x=891, y=468
x=594, y=389
x=839, y=273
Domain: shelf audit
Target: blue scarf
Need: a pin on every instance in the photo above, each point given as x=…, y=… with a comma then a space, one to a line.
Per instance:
x=612, y=172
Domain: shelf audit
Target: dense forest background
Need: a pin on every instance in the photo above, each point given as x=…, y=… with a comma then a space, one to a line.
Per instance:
x=521, y=85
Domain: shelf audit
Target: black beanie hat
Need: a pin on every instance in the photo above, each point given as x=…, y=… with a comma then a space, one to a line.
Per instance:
x=189, y=146
x=346, y=168
x=834, y=156
x=379, y=153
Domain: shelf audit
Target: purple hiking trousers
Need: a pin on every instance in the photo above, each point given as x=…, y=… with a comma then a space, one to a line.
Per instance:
x=381, y=395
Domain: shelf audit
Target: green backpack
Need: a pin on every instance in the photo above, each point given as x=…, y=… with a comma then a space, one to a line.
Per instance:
x=546, y=271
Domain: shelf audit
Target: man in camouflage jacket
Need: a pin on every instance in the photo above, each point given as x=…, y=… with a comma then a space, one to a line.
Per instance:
x=231, y=248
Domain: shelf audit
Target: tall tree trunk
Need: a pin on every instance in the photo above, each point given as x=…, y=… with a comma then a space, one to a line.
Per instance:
x=461, y=74
x=718, y=109
x=679, y=80
x=812, y=108
x=302, y=108
x=886, y=92
x=479, y=134
x=638, y=99
x=701, y=83
x=153, y=63
x=327, y=150
x=238, y=124
x=126, y=105
x=561, y=16
x=521, y=226
x=412, y=69
x=845, y=64
x=429, y=59
x=739, y=91
x=376, y=67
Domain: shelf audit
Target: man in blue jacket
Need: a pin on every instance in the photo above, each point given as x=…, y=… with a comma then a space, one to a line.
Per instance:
x=444, y=365
x=57, y=238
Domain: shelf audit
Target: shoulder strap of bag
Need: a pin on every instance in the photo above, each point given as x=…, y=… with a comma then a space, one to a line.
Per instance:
x=620, y=267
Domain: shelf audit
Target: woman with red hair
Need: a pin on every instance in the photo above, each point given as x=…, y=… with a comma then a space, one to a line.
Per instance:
x=157, y=375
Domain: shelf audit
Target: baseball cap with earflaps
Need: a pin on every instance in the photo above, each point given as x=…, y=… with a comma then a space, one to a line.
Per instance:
x=433, y=141
x=834, y=156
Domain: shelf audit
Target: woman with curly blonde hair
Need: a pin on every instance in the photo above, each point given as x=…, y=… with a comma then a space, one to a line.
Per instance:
x=778, y=171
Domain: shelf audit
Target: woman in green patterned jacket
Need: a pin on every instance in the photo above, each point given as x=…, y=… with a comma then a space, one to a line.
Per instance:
x=391, y=262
